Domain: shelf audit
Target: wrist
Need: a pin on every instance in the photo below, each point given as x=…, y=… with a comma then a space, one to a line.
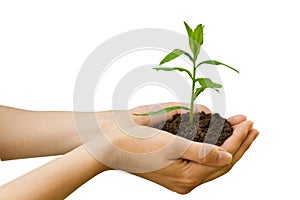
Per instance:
x=91, y=163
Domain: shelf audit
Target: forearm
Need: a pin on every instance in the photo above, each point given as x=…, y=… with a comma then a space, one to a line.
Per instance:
x=29, y=133
x=55, y=180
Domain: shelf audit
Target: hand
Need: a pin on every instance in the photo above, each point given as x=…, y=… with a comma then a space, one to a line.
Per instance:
x=119, y=141
x=126, y=142
x=237, y=145
x=183, y=175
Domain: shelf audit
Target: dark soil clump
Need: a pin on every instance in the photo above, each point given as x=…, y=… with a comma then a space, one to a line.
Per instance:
x=207, y=128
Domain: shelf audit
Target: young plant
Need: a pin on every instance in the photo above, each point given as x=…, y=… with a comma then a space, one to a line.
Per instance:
x=198, y=84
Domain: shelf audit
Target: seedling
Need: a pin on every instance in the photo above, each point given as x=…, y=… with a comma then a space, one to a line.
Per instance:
x=198, y=84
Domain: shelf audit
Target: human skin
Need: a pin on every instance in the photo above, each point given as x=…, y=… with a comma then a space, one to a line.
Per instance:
x=191, y=174
x=25, y=134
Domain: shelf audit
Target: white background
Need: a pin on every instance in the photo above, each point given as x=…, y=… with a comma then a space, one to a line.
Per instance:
x=43, y=45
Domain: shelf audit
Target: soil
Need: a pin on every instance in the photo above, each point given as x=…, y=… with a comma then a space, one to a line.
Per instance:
x=207, y=128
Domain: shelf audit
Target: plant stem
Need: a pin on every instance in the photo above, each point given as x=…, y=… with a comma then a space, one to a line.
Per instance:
x=193, y=93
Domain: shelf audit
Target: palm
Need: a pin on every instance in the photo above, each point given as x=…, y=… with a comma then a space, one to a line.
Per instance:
x=183, y=175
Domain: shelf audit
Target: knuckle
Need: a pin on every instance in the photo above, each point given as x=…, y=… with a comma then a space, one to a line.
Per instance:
x=209, y=155
x=191, y=181
x=183, y=190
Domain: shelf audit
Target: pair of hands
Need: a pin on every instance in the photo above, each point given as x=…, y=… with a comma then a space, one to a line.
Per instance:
x=118, y=140
x=129, y=143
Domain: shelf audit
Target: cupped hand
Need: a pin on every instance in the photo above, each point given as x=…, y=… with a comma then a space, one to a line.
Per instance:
x=243, y=136
x=129, y=143
x=184, y=174
x=124, y=141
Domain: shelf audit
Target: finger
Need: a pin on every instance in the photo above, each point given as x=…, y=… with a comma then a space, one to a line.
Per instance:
x=149, y=107
x=197, y=108
x=252, y=135
x=244, y=147
x=200, y=108
x=207, y=154
x=148, y=120
x=237, y=119
x=240, y=132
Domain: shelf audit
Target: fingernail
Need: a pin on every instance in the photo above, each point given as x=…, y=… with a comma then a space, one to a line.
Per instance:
x=255, y=136
x=224, y=157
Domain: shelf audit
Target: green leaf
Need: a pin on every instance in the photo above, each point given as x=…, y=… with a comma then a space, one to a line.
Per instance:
x=162, y=111
x=174, y=69
x=174, y=54
x=190, y=35
x=205, y=83
x=198, y=91
x=198, y=34
x=189, y=56
x=188, y=30
x=197, y=39
x=214, y=62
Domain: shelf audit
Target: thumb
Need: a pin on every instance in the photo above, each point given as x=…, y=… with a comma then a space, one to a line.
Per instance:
x=207, y=154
